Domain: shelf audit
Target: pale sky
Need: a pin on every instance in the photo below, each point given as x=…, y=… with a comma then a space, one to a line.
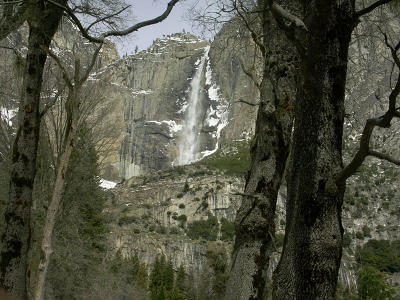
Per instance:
x=147, y=9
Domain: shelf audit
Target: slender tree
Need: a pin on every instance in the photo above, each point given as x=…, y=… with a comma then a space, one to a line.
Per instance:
x=43, y=18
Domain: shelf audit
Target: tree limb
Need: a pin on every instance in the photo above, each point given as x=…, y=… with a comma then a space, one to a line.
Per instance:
x=91, y=65
x=58, y=62
x=106, y=17
x=370, y=8
x=250, y=74
x=52, y=102
x=383, y=121
x=384, y=157
x=124, y=32
x=248, y=103
x=295, y=28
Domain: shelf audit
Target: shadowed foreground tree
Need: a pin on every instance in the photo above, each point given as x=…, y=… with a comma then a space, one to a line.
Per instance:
x=43, y=18
x=312, y=249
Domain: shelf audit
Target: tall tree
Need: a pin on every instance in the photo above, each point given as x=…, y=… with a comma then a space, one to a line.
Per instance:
x=313, y=241
x=43, y=18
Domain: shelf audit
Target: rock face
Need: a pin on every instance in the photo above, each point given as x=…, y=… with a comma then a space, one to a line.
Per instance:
x=155, y=89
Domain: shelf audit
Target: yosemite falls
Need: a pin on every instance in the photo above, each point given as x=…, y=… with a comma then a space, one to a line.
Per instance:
x=188, y=142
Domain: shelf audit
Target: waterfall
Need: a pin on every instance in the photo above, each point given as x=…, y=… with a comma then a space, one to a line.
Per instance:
x=189, y=140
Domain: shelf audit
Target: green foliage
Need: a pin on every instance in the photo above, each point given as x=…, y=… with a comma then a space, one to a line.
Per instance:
x=371, y=285
x=366, y=231
x=347, y=239
x=180, y=195
x=360, y=235
x=174, y=230
x=279, y=237
x=216, y=260
x=161, y=229
x=186, y=188
x=79, y=237
x=162, y=281
x=235, y=162
x=227, y=230
x=182, y=218
x=126, y=220
x=381, y=254
x=207, y=229
x=181, y=206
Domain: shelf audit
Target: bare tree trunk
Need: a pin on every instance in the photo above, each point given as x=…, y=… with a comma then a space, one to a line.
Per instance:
x=58, y=190
x=16, y=234
x=255, y=221
x=313, y=241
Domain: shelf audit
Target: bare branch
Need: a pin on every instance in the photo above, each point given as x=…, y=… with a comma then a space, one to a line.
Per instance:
x=248, y=103
x=124, y=32
x=383, y=121
x=250, y=74
x=384, y=157
x=58, y=62
x=106, y=18
x=52, y=102
x=370, y=8
x=91, y=65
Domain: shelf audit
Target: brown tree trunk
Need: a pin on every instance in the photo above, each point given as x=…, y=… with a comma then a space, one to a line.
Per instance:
x=255, y=220
x=43, y=23
x=313, y=241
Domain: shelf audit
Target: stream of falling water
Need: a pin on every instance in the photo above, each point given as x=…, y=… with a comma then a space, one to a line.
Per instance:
x=189, y=141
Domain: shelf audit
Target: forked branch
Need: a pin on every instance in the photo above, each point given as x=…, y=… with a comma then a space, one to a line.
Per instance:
x=383, y=121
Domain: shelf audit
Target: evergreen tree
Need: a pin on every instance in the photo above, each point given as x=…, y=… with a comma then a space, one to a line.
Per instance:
x=168, y=275
x=180, y=279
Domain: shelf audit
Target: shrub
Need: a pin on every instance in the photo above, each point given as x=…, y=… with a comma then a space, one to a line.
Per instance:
x=152, y=227
x=186, y=188
x=207, y=230
x=161, y=229
x=136, y=230
x=174, y=230
x=197, y=199
x=182, y=218
x=126, y=220
x=147, y=206
x=381, y=254
x=227, y=230
x=347, y=239
x=181, y=206
x=174, y=217
x=204, y=204
x=180, y=195
x=359, y=235
x=366, y=231
x=371, y=285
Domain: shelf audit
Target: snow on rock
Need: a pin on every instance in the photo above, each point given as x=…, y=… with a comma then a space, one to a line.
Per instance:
x=172, y=126
x=8, y=114
x=105, y=184
x=215, y=117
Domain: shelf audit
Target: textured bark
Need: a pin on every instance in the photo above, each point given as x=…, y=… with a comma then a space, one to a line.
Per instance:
x=255, y=221
x=43, y=23
x=313, y=241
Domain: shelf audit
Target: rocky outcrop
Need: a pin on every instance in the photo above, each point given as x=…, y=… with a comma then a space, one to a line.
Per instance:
x=152, y=90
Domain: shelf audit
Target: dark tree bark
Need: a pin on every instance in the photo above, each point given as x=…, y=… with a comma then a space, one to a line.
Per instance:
x=43, y=22
x=255, y=221
x=312, y=249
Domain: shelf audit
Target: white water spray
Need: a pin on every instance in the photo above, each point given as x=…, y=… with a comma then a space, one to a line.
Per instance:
x=189, y=141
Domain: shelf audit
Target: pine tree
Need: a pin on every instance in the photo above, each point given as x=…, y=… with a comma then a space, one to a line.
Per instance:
x=168, y=276
x=180, y=279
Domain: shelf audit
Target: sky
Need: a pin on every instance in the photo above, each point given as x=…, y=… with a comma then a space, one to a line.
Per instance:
x=147, y=9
